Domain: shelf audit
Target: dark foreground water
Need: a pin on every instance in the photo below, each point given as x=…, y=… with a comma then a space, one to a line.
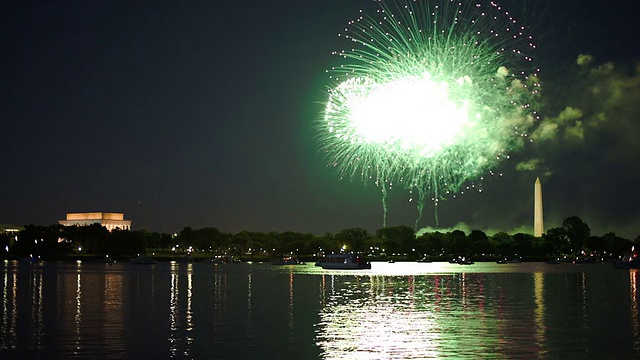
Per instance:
x=259, y=311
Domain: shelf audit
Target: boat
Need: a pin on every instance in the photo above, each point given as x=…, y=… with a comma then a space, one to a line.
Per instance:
x=31, y=259
x=107, y=260
x=222, y=259
x=588, y=260
x=630, y=261
x=286, y=260
x=509, y=261
x=460, y=260
x=344, y=262
x=143, y=260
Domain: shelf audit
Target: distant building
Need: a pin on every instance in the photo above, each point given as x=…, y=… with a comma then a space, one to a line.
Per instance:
x=11, y=230
x=111, y=221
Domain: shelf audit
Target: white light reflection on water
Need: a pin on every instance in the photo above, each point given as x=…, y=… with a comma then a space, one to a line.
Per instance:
x=189, y=336
x=36, y=309
x=181, y=314
x=113, y=313
x=14, y=312
x=384, y=317
x=8, y=330
x=173, y=310
x=290, y=308
x=249, y=308
x=430, y=316
x=219, y=304
x=78, y=316
x=635, y=318
x=585, y=313
x=5, y=342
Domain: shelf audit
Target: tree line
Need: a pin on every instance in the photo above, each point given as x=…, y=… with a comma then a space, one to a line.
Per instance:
x=573, y=238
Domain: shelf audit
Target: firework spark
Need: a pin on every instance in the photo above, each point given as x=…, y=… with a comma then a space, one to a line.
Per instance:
x=429, y=95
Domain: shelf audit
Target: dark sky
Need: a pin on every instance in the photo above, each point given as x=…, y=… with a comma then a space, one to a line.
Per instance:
x=201, y=114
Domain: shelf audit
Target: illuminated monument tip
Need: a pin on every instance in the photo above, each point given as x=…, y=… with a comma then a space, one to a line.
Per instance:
x=538, y=223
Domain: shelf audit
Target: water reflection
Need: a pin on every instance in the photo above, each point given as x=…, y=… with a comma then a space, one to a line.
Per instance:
x=582, y=283
x=189, y=300
x=249, y=308
x=219, y=305
x=541, y=328
x=8, y=334
x=87, y=311
x=431, y=317
x=635, y=318
x=180, y=326
x=290, y=308
x=173, y=310
x=36, y=309
x=374, y=318
x=114, y=315
x=78, y=316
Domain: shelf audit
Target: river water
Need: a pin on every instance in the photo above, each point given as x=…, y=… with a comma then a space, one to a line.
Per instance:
x=83, y=310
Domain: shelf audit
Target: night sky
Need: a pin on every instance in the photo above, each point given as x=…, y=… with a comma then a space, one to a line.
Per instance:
x=202, y=114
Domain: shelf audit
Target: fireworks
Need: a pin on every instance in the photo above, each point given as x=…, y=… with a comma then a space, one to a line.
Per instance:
x=429, y=96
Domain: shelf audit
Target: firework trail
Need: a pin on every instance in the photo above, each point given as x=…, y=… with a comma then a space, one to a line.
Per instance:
x=429, y=96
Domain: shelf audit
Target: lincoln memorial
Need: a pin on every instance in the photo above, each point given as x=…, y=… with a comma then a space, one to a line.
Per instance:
x=109, y=220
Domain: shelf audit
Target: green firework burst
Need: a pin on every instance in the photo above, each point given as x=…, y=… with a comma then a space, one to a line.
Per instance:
x=430, y=95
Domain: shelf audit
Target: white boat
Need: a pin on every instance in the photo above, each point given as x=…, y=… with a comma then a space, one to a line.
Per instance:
x=344, y=262
x=143, y=260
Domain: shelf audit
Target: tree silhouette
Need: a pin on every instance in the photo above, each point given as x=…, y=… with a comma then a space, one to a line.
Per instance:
x=577, y=232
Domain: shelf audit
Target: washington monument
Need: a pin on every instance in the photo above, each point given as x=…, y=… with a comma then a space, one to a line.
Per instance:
x=538, y=223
